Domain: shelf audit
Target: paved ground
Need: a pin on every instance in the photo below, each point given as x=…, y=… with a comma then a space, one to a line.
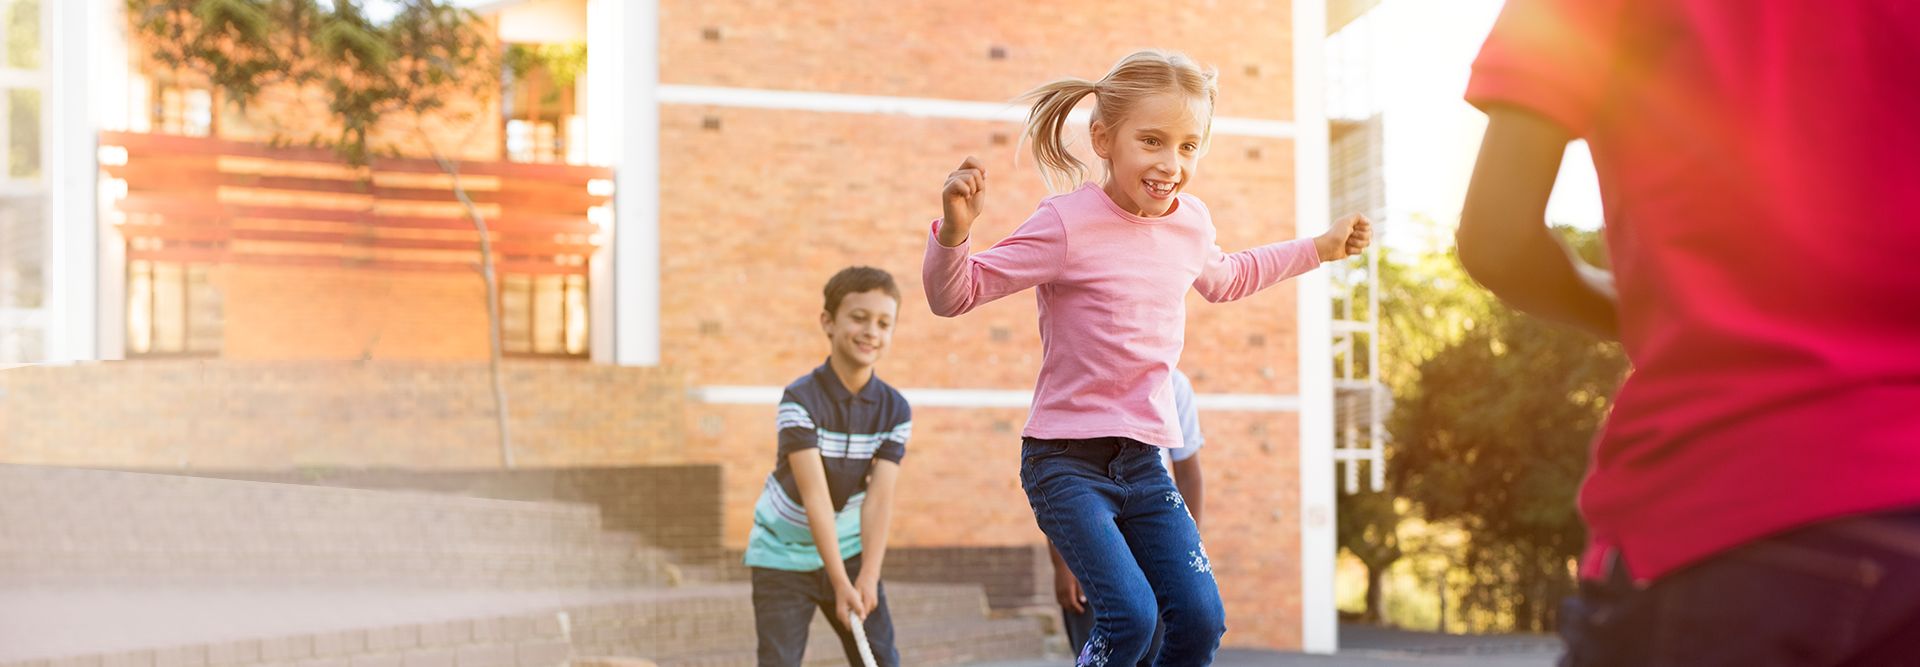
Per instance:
x=41, y=623
x=1363, y=646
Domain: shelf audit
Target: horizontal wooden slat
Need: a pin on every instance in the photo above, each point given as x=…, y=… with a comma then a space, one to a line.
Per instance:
x=551, y=172
x=212, y=256
x=204, y=208
x=141, y=144
x=554, y=225
x=142, y=177
x=201, y=208
x=224, y=233
x=517, y=200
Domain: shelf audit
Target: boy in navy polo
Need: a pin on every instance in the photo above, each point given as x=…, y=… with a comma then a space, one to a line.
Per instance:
x=820, y=526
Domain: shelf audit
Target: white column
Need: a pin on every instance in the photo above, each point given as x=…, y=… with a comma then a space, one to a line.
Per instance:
x=113, y=109
x=623, y=77
x=72, y=279
x=1319, y=629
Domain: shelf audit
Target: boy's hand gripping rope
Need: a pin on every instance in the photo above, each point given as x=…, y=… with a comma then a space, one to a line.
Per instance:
x=860, y=638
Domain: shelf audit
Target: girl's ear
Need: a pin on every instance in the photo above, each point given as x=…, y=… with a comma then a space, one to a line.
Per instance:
x=1102, y=138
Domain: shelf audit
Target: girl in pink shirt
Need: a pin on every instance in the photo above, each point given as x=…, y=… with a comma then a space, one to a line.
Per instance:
x=1111, y=264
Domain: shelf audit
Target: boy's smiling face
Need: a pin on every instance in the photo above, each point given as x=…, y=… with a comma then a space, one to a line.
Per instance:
x=862, y=328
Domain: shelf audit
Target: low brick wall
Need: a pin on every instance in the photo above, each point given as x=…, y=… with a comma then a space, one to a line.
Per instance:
x=192, y=414
x=674, y=507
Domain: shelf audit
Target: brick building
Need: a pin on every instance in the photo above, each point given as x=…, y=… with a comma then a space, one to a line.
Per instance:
x=750, y=150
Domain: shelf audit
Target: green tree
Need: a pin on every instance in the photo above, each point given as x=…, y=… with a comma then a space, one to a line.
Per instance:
x=558, y=64
x=1492, y=434
x=1427, y=304
x=1368, y=526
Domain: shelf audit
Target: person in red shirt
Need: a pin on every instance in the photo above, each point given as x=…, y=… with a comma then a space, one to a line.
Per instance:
x=1754, y=496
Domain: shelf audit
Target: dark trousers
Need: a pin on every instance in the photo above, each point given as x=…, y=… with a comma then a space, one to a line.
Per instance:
x=783, y=606
x=1843, y=593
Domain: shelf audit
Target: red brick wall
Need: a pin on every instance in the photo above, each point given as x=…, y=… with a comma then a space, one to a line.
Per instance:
x=277, y=415
x=942, y=49
x=741, y=235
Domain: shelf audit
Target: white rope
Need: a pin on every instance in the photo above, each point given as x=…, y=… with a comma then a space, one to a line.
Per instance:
x=860, y=638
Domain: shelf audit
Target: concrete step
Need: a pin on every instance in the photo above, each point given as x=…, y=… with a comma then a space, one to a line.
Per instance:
x=718, y=618
x=713, y=625
x=87, y=506
x=523, y=639
x=86, y=527
x=939, y=642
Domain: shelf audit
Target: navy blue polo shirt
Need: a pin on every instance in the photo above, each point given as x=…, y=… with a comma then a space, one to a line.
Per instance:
x=850, y=430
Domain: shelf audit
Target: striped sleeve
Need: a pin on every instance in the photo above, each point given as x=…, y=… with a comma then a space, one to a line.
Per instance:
x=795, y=425
x=894, y=443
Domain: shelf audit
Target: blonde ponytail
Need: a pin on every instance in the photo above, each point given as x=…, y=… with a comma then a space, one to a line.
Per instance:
x=1134, y=78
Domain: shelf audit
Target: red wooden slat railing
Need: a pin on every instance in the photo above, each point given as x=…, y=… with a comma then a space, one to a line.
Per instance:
x=191, y=199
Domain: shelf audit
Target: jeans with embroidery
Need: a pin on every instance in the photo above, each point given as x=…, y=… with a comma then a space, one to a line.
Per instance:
x=1079, y=624
x=1111, y=509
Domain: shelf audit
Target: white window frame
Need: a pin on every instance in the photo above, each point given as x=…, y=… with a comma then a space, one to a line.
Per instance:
x=36, y=319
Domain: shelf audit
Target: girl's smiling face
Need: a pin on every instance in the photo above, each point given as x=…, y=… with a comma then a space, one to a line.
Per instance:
x=1154, y=153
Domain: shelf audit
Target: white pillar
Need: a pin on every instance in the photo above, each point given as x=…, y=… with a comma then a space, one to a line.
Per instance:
x=113, y=109
x=72, y=279
x=623, y=77
x=1319, y=629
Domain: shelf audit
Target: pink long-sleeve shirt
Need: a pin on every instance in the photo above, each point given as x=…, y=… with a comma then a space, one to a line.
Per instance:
x=1111, y=288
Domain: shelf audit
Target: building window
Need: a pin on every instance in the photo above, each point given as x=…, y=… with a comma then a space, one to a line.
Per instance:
x=181, y=108
x=23, y=133
x=173, y=309
x=24, y=228
x=543, y=315
x=538, y=96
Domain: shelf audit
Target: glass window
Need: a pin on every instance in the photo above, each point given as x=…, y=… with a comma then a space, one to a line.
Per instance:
x=543, y=315
x=22, y=36
x=23, y=133
x=173, y=309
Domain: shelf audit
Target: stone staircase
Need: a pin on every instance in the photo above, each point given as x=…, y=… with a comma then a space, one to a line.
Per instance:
x=87, y=527
x=106, y=569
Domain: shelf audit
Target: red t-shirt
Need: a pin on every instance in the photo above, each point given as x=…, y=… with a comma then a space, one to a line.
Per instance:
x=1759, y=163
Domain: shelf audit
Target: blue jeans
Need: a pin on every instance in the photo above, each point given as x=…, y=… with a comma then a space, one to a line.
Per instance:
x=1079, y=624
x=1843, y=593
x=1112, y=510
x=783, y=604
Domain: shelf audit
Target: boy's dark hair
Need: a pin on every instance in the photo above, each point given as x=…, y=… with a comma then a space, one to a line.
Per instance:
x=857, y=279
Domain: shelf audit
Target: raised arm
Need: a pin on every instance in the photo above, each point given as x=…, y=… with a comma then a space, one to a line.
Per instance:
x=1504, y=240
x=956, y=282
x=1232, y=276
